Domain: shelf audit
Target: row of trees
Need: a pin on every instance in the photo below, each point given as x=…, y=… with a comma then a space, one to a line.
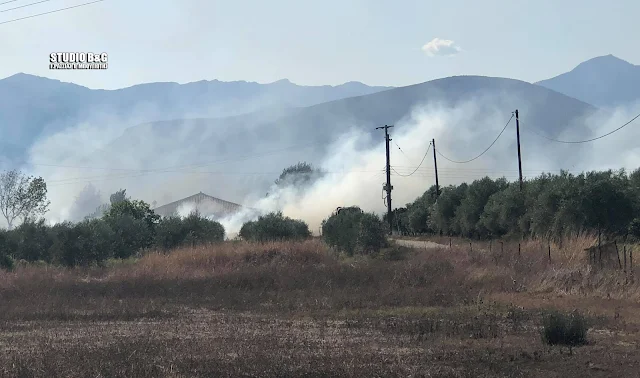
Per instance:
x=126, y=228
x=551, y=205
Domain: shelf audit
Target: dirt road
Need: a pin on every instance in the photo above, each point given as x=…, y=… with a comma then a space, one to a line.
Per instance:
x=418, y=243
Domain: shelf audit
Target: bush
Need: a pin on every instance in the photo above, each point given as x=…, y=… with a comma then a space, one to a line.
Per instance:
x=561, y=329
x=174, y=231
x=353, y=231
x=29, y=241
x=131, y=235
x=274, y=227
x=6, y=262
x=86, y=243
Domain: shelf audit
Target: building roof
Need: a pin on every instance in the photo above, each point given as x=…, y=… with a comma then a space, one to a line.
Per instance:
x=196, y=199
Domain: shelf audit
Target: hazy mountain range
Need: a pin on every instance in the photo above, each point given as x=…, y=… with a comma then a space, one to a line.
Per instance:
x=32, y=107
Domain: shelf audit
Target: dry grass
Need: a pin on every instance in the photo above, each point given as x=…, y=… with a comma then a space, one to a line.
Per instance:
x=296, y=309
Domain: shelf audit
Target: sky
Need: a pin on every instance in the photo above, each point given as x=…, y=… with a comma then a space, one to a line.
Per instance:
x=392, y=43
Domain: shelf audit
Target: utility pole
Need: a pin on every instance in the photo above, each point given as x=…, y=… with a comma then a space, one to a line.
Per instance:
x=388, y=186
x=519, y=156
x=435, y=165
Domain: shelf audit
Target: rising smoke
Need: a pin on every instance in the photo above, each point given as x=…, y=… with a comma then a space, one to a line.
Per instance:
x=354, y=162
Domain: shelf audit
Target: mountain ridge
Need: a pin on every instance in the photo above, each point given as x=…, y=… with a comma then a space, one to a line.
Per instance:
x=604, y=81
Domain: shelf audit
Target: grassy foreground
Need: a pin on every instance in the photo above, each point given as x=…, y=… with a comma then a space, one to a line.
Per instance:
x=296, y=309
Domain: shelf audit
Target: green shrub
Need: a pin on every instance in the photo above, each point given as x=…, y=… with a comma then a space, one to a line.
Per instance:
x=274, y=227
x=131, y=235
x=7, y=262
x=352, y=231
x=86, y=243
x=563, y=329
x=174, y=231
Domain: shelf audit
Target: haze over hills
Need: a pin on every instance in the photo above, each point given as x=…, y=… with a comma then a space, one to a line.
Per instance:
x=605, y=81
x=32, y=106
x=236, y=150
x=166, y=141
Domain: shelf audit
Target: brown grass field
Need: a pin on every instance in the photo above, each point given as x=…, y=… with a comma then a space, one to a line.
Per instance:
x=297, y=309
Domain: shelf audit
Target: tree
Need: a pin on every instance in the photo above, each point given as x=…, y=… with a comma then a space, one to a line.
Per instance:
x=22, y=197
x=134, y=224
x=86, y=203
x=274, y=227
x=299, y=175
x=173, y=232
x=353, y=231
x=119, y=196
x=473, y=203
x=137, y=209
x=102, y=209
x=504, y=211
x=442, y=214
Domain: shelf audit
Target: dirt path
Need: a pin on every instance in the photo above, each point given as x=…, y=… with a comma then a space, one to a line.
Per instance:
x=418, y=244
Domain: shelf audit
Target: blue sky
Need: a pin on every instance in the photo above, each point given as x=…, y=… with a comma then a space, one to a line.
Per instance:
x=318, y=42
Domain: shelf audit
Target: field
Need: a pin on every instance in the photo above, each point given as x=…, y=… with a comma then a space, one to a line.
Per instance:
x=298, y=309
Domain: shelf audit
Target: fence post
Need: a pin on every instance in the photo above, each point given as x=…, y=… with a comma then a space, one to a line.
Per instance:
x=617, y=254
x=470, y=247
x=449, y=242
x=631, y=263
x=549, y=252
x=519, y=250
x=490, y=244
x=501, y=248
x=624, y=252
x=600, y=246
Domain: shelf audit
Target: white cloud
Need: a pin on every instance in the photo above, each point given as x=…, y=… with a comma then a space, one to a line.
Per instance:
x=441, y=47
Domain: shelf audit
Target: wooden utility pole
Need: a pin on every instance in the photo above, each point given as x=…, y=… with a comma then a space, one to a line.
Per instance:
x=519, y=155
x=388, y=186
x=435, y=165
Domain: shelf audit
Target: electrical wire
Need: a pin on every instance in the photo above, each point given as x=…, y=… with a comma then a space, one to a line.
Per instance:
x=405, y=155
x=418, y=167
x=173, y=169
x=49, y=12
x=102, y=178
x=7, y=2
x=483, y=152
x=24, y=6
x=581, y=141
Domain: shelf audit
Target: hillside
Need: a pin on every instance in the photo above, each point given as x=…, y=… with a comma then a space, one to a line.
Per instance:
x=32, y=107
x=605, y=81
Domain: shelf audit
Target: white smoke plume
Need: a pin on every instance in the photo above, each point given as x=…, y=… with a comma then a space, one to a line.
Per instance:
x=354, y=168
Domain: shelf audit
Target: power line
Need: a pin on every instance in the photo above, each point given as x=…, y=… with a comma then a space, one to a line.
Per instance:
x=193, y=165
x=141, y=174
x=582, y=141
x=7, y=2
x=405, y=155
x=418, y=167
x=24, y=6
x=53, y=11
x=483, y=152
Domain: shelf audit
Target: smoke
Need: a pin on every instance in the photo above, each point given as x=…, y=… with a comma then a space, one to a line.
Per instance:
x=356, y=171
x=155, y=166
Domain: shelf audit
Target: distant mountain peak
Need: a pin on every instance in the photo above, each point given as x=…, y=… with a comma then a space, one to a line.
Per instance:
x=282, y=81
x=606, y=61
x=606, y=81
